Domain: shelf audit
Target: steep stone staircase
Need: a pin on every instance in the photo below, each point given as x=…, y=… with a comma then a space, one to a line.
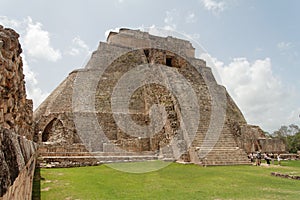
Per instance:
x=224, y=152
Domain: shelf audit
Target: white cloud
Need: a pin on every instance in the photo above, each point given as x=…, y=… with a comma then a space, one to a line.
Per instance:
x=261, y=96
x=32, y=89
x=37, y=42
x=193, y=36
x=289, y=52
x=78, y=47
x=158, y=31
x=168, y=31
x=259, y=49
x=32, y=32
x=190, y=18
x=214, y=5
x=283, y=46
x=170, y=19
x=5, y=21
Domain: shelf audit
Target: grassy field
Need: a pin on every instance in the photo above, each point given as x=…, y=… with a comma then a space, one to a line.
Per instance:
x=176, y=181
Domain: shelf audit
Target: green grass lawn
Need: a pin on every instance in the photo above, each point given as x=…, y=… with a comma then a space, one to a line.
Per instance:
x=176, y=181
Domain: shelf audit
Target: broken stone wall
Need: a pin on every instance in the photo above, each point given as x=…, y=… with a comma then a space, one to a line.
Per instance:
x=17, y=151
x=252, y=139
x=272, y=145
x=15, y=110
x=17, y=157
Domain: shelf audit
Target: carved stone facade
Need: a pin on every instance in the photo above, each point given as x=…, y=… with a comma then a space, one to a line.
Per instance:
x=79, y=112
x=17, y=151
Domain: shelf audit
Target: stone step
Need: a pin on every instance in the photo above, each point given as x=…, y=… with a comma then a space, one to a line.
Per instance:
x=224, y=159
x=214, y=141
x=231, y=159
x=101, y=157
x=94, y=159
x=217, y=140
x=225, y=150
x=231, y=138
x=220, y=143
x=222, y=155
x=217, y=145
x=222, y=163
x=44, y=154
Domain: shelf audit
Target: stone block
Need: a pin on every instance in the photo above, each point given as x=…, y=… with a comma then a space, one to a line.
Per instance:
x=1, y=115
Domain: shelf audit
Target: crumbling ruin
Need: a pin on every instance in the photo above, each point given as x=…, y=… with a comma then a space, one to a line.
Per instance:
x=17, y=151
x=82, y=118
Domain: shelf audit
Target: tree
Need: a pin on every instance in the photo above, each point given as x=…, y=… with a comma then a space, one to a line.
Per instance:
x=290, y=135
x=293, y=143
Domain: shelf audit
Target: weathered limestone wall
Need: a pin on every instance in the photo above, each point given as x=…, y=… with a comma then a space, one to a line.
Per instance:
x=18, y=158
x=15, y=110
x=139, y=39
x=17, y=151
x=57, y=114
x=272, y=145
x=252, y=139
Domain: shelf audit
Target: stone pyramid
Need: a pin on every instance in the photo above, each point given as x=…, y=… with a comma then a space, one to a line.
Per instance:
x=143, y=97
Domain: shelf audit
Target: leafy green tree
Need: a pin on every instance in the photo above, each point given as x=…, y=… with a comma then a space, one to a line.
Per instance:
x=290, y=135
x=293, y=143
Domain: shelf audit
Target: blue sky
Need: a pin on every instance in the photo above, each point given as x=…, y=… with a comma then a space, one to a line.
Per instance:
x=253, y=45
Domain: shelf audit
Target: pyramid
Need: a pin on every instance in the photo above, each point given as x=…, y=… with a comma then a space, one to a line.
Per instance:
x=144, y=97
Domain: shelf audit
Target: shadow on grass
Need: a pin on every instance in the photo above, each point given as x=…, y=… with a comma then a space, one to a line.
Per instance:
x=139, y=167
x=36, y=187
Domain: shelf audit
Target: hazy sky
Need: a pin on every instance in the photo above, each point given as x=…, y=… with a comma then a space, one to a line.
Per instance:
x=254, y=45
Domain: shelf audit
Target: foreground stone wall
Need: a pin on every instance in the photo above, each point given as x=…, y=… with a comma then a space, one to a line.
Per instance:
x=17, y=151
x=15, y=110
x=18, y=158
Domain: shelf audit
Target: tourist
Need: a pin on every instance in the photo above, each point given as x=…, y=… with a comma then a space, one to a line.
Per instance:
x=271, y=155
x=267, y=158
x=278, y=159
x=251, y=157
x=258, y=158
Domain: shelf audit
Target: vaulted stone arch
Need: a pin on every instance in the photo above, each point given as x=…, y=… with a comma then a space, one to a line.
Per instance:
x=53, y=132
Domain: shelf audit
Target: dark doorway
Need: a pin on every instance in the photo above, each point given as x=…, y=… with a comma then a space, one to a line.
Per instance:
x=169, y=62
x=53, y=128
